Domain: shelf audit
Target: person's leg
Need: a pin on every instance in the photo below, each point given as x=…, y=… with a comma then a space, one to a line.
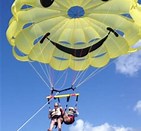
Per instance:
x=59, y=123
x=52, y=124
x=66, y=118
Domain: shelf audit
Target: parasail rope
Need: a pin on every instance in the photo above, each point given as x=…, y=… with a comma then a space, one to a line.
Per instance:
x=79, y=74
x=33, y=116
x=94, y=73
x=40, y=109
x=37, y=72
x=91, y=75
x=51, y=74
x=65, y=80
x=39, y=75
x=82, y=75
x=60, y=77
x=46, y=72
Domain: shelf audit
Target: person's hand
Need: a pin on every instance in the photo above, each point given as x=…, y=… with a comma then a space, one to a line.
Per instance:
x=61, y=107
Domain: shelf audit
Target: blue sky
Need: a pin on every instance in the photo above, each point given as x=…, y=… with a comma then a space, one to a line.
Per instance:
x=110, y=101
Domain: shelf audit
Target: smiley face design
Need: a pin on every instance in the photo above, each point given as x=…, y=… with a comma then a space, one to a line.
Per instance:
x=78, y=31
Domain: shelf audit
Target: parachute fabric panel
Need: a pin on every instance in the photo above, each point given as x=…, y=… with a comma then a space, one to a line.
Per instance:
x=18, y=57
x=135, y=13
x=74, y=24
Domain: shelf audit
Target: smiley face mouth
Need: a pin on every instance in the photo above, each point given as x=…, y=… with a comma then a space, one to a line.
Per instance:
x=80, y=52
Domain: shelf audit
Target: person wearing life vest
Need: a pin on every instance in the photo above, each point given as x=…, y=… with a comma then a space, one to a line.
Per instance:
x=69, y=116
x=56, y=117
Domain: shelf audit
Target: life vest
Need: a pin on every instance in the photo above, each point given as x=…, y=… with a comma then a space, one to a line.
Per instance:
x=56, y=113
x=70, y=113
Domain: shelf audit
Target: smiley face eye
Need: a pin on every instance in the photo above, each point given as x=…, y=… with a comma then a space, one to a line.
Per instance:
x=105, y=0
x=46, y=3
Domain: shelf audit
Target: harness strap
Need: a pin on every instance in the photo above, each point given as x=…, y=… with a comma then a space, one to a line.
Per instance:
x=76, y=101
x=66, y=89
x=68, y=98
x=49, y=103
x=59, y=101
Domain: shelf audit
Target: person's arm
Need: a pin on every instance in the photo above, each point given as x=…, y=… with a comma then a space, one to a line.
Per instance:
x=49, y=114
x=76, y=113
x=62, y=111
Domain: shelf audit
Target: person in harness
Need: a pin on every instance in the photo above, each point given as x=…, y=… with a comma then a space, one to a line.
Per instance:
x=69, y=116
x=56, y=117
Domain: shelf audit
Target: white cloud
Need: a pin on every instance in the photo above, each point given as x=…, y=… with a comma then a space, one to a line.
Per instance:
x=138, y=107
x=85, y=126
x=129, y=64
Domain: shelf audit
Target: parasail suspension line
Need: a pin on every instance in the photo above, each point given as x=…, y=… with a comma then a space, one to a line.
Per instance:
x=39, y=75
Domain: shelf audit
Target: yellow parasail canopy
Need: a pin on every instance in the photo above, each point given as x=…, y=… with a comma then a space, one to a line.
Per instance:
x=74, y=24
